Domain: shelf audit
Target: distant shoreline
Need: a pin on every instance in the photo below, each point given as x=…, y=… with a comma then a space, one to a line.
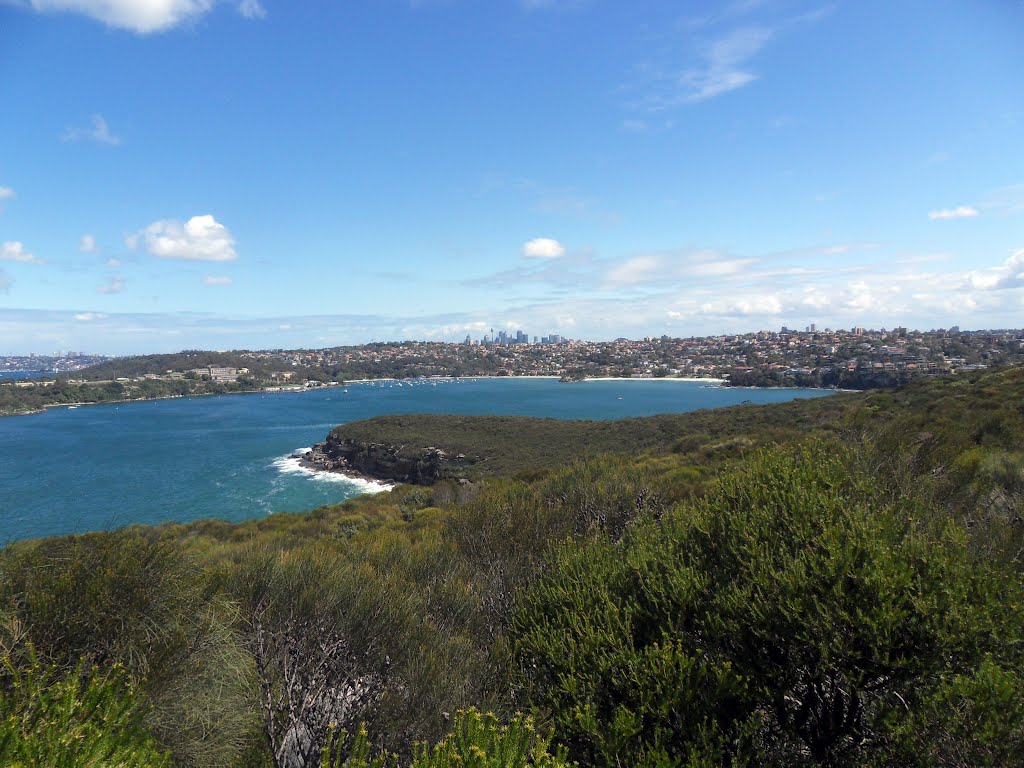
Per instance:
x=286, y=389
x=688, y=379
x=691, y=379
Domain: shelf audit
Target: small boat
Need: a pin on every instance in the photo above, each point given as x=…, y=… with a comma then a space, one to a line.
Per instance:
x=72, y=407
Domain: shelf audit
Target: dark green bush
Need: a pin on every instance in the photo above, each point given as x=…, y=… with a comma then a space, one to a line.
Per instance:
x=796, y=614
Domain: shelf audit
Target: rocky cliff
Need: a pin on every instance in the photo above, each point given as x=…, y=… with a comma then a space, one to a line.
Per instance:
x=380, y=461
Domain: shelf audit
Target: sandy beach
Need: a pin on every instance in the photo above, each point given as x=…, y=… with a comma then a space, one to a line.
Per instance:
x=691, y=379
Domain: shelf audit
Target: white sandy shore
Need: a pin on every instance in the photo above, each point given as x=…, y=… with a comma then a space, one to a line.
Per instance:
x=546, y=376
x=663, y=378
x=703, y=379
x=444, y=378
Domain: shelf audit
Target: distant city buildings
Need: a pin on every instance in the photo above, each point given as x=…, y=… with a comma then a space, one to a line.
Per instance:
x=855, y=358
x=59, y=362
x=506, y=338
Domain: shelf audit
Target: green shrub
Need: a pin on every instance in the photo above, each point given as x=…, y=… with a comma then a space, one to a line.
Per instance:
x=137, y=602
x=82, y=718
x=974, y=718
x=476, y=741
x=795, y=615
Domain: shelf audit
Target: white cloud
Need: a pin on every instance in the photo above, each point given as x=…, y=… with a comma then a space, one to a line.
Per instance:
x=113, y=263
x=1010, y=274
x=723, y=68
x=816, y=299
x=714, y=267
x=217, y=280
x=543, y=248
x=201, y=238
x=87, y=244
x=142, y=16
x=636, y=270
x=252, y=9
x=114, y=285
x=15, y=251
x=86, y=317
x=927, y=258
x=675, y=268
x=99, y=132
x=753, y=304
x=960, y=212
x=6, y=193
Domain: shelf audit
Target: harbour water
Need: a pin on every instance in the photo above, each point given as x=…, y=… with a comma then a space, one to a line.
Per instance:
x=104, y=466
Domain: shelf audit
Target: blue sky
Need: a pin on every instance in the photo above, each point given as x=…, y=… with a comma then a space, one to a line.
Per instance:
x=202, y=174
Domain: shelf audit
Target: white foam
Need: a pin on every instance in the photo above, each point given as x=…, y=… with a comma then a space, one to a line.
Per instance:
x=290, y=465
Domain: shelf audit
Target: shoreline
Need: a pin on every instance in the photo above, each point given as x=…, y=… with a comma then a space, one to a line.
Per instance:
x=47, y=406
x=715, y=382
x=687, y=379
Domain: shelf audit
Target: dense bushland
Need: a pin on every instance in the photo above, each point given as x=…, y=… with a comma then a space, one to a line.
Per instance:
x=800, y=613
x=511, y=446
x=840, y=589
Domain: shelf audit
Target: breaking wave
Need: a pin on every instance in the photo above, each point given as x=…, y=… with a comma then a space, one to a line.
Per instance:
x=289, y=465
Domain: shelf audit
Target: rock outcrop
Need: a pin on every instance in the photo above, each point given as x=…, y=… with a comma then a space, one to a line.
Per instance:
x=380, y=461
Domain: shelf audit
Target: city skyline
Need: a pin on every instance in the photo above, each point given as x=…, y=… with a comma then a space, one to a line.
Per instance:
x=254, y=174
x=556, y=339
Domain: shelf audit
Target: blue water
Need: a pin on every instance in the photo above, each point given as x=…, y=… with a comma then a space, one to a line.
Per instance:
x=104, y=466
x=24, y=374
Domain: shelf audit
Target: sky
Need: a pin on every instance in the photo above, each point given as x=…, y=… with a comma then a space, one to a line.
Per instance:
x=223, y=174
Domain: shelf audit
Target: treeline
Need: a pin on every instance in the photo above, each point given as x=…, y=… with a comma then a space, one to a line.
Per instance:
x=837, y=378
x=852, y=596
x=140, y=365
x=458, y=362
x=15, y=399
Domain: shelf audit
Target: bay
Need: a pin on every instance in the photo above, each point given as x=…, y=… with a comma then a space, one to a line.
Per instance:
x=104, y=466
x=24, y=374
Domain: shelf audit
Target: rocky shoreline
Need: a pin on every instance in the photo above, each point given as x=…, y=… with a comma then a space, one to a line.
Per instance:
x=383, y=462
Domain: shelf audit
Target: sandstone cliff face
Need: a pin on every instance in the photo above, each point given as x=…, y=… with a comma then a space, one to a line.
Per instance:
x=400, y=464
